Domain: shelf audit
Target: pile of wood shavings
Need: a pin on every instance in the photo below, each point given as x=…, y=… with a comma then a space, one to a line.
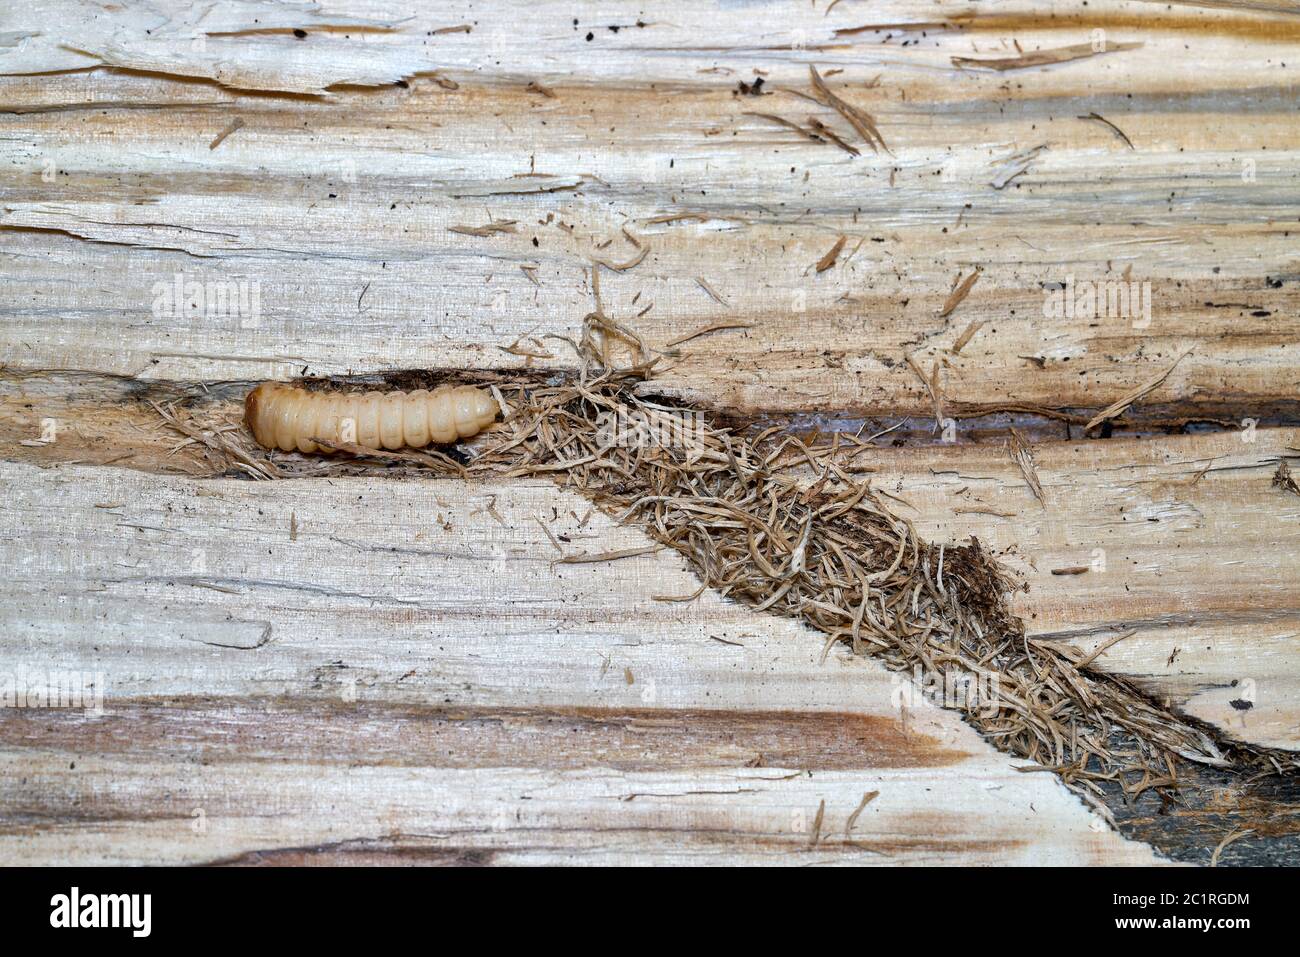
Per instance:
x=833, y=554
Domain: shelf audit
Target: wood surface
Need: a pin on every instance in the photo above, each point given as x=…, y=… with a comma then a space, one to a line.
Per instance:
x=347, y=668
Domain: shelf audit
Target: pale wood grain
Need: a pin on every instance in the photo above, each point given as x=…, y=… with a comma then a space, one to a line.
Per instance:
x=380, y=687
x=411, y=685
x=339, y=211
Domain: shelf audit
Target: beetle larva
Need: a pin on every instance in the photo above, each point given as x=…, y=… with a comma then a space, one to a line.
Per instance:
x=287, y=417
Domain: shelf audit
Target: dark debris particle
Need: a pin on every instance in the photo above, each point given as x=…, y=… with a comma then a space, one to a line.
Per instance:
x=1241, y=704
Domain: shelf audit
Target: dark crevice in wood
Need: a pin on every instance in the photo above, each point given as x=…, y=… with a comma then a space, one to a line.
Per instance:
x=1208, y=805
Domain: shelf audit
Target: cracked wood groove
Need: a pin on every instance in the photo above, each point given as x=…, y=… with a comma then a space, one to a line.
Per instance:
x=558, y=713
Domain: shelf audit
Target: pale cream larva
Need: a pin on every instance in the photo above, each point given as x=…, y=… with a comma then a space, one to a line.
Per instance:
x=287, y=417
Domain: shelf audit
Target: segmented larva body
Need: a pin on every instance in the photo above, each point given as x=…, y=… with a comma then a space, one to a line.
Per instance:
x=287, y=417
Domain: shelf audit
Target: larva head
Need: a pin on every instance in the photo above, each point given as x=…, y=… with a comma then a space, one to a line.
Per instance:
x=255, y=408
